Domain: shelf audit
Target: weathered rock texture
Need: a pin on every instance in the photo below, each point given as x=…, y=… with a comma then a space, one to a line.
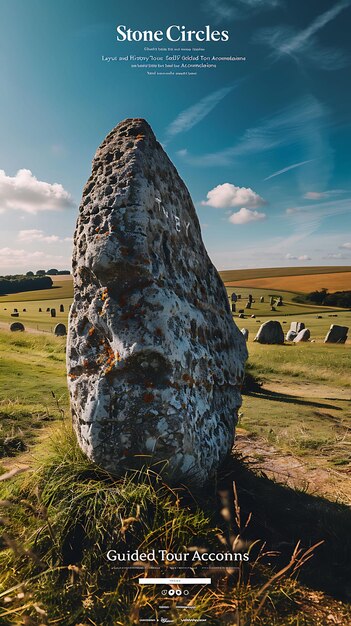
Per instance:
x=336, y=334
x=245, y=333
x=155, y=361
x=290, y=335
x=270, y=332
x=297, y=326
x=303, y=335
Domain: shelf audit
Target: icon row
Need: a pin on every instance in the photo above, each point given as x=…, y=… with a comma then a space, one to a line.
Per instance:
x=175, y=592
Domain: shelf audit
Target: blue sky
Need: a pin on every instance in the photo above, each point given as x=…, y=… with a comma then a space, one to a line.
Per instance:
x=263, y=145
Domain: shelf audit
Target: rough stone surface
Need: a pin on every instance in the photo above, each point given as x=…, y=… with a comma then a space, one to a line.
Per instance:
x=16, y=326
x=290, y=335
x=336, y=334
x=297, y=326
x=155, y=361
x=270, y=332
x=303, y=335
x=60, y=330
x=245, y=333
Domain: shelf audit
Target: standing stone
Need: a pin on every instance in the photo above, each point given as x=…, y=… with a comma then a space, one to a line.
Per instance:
x=48, y=310
x=15, y=314
x=60, y=330
x=303, y=335
x=270, y=332
x=249, y=297
x=15, y=310
x=290, y=335
x=16, y=326
x=336, y=334
x=271, y=300
x=53, y=312
x=262, y=299
x=155, y=361
x=233, y=297
x=233, y=307
x=248, y=304
x=245, y=333
x=297, y=326
x=62, y=308
x=40, y=310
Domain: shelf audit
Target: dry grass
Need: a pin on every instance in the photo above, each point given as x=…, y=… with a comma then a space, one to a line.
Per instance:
x=333, y=281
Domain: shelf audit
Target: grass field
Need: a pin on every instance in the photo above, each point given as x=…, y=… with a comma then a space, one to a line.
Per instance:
x=303, y=284
x=294, y=430
x=264, y=272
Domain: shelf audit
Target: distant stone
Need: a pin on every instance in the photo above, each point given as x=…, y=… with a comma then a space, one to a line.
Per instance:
x=273, y=308
x=40, y=311
x=15, y=310
x=249, y=297
x=60, y=330
x=262, y=299
x=319, y=317
x=290, y=335
x=233, y=297
x=245, y=333
x=62, y=308
x=303, y=335
x=53, y=312
x=241, y=315
x=270, y=332
x=297, y=326
x=248, y=304
x=24, y=310
x=15, y=314
x=155, y=362
x=48, y=310
x=16, y=327
x=253, y=316
x=271, y=300
x=336, y=334
x=233, y=307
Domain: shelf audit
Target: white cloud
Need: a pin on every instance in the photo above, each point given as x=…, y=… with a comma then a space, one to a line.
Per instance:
x=244, y=216
x=337, y=255
x=302, y=257
x=294, y=210
x=346, y=246
x=36, y=235
x=25, y=192
x=320, y=195
x=196, y=113
x=227, y=196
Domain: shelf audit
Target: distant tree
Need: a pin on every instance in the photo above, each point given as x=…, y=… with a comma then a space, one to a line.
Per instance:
x=52, y=272
x=40, y=272
x=30, y=274
x=64, y=272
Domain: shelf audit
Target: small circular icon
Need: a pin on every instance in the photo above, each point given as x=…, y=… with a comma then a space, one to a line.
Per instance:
x=164, y=592
x=171, y=592
x=178, y=592
x=186, y=592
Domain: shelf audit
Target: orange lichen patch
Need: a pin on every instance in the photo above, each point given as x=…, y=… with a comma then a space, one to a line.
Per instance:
x=158, y=332
x=72, y=376
x=140, y=136
x=91, y=331
x=148, y=397
x=188, y=379
x=104, y=295
x=97, y=230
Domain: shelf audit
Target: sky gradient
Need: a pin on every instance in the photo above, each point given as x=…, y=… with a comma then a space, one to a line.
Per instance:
x=263, y=145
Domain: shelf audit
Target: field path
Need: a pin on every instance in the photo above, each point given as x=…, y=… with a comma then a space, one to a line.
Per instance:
x=292, y=471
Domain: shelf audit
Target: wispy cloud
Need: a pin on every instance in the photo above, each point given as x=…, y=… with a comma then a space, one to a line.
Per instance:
x=302, y=123
x=283, y=40
x=320, y=195
x=222, y=10
x=34, y=234
x=288, y=168
x=188, y=118
x=346, y=246
x=301, y=257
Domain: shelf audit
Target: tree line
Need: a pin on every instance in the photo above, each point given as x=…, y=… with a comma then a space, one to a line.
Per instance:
x=17, y=283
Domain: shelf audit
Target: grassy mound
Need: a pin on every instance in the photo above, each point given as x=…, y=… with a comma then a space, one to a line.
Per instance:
x=59, y=520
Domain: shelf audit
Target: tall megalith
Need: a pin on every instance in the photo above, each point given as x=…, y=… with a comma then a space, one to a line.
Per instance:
x=155, y=361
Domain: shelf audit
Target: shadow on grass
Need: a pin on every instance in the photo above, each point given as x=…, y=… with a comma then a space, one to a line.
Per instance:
x=266, y=394
x=282, y=516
